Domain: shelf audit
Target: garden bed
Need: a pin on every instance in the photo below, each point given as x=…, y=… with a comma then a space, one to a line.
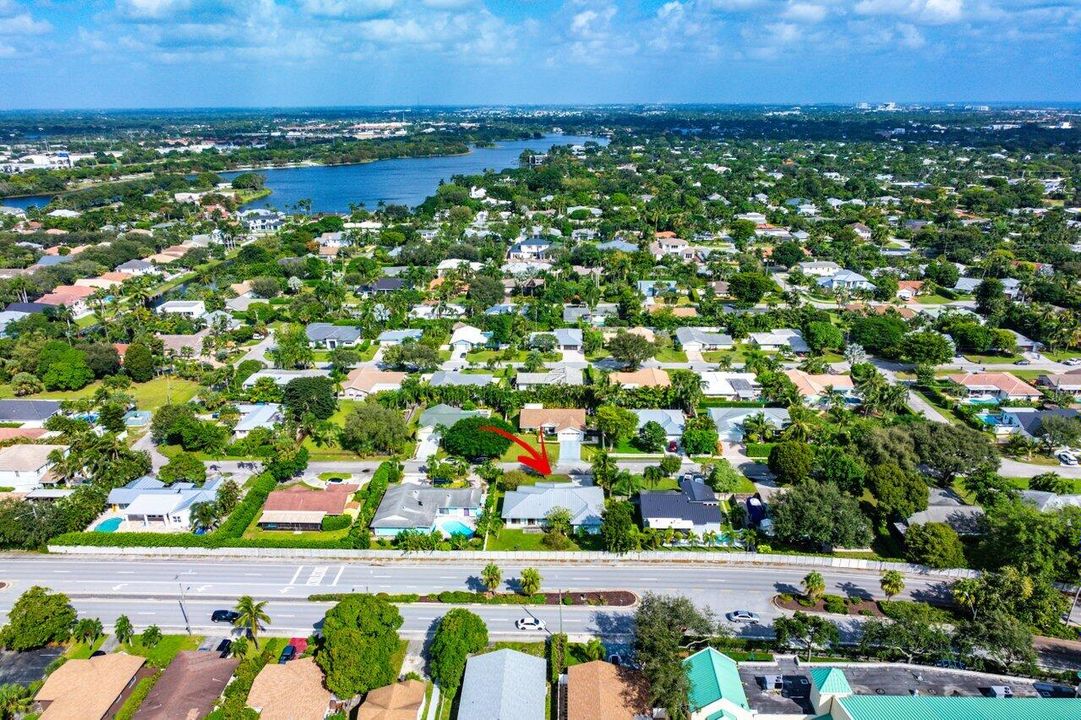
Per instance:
x=830, y=605
x=611, y=598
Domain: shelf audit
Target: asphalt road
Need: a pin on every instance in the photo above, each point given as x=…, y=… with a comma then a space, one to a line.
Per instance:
x=149, y=591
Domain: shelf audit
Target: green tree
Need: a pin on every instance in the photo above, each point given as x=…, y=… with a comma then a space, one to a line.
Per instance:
x=183, y=466
x=310, y=395
x=813, y=585
x=291, y=349
x=810, y=631
x=670, y=465
x=651, y=437
x=38, y=618
x=949, y=450
x=892, y=583
x=557, y=528
x=615, y=424
x=823, y=335
x=62, y=367
x=819, y=515
x=749, y=287
x=916, y=635
x=529, y=581
x=15, y=701
x=630, y=349
x=791, y=461
x=665, y=626
x=360, y=638
x=466, y=439
x=412, y=356
x=371, y=429
x=123, y=630
x=926, y=347
x=788, y=253
x=935, y=545
x=459, y=634
x=252, y=616
x=618, y=530
x=491, y=576
x=899, y=494
x=700, y=436
x=150, y=637
x=485, y=291
x=1001, y=638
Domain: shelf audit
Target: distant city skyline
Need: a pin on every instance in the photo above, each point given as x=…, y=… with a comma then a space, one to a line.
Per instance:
x=265, y=53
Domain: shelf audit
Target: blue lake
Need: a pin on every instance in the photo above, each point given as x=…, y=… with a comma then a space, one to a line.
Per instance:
x=25, y=202
x=404, y=181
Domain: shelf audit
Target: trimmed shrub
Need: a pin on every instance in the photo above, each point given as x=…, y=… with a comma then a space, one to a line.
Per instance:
x=336, y=522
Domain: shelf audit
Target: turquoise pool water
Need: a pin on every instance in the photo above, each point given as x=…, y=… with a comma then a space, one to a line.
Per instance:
x=109, y=525
x=982, y=401
x=456, y=527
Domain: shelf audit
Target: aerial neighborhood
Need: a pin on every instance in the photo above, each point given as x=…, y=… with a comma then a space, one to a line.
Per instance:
x=687, y=413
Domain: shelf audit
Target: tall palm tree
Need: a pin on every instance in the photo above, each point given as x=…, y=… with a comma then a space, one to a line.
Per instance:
x=15, y=700
x=252, y=616
x=204, y=515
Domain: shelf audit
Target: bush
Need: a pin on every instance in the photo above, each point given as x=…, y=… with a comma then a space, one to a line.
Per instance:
x=906, y=610
x=336, y=522
x=835, y=604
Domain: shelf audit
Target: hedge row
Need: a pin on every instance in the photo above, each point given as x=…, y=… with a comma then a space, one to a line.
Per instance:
x=447, y=597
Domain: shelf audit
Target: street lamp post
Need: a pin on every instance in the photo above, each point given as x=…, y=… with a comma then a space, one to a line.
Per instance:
x=183, y=611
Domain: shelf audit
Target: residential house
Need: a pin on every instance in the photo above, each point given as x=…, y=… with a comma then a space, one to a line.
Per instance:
x=366, y=380
x=819, y=268
x=600, y=690
x=382, y=286
x=994, y=386
x=88, y=689
x=729, y=421
x=27, y=308
x=643, y=377
x=467, y=338
x=329, y=336
x=445, y=416
x=28, y=413
x=409, y=506
x=567, y=426
x=730, y=385
x=1048, y=501
x=673, y=422
x=694, y=508
x=194, y=309
x=290, y=691
x=189, y=687
x=655, y=288
x=847, y=280
x=147, y=503
x=504, y=685
x=1030, y=420
x=1066, y=383
x=667, y=244
x=715, y=689
x=781, y=338
x=388, y=338
x=24, y=467
x=595, y=316
x=699, y=339
x=530, y=249
x=816, y=389
x=73, y=297
x=281, y=377
x=566, y=338
x=529, y=505
x=448, y=378
x=907, y=290
x=436, y=311
x=261, y=221
x=506, y=309
x=400, y=701
x=299, y=507
x=556, y=376
x=455, y=264
x=256, y=415
x=618, y=245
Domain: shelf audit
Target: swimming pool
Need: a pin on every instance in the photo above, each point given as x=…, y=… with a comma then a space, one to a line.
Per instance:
x=456, y=527
x=108, y=526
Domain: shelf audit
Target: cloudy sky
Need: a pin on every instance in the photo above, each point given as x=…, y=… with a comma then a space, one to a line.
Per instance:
x=184, y=53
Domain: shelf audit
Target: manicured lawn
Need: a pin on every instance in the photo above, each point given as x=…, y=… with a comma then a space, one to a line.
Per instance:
x=482, y=356
x=1060, y=355
x=992, y=359
x=670, y=355
x=933, y=299
x=254, y=531
x=512, y=453
x=163, y=653
x=398, y=659
x=82, y=651
x=520, y=540
x=1023, y=483
x=333, y=452
x=536, y=649
x=148, y=396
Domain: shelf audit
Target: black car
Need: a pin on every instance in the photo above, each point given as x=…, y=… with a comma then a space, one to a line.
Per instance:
x=224, y=616
x=288, y=653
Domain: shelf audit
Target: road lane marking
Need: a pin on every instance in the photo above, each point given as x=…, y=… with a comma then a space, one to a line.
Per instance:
x=296, y=575
x=341, y=569
x=316, y=578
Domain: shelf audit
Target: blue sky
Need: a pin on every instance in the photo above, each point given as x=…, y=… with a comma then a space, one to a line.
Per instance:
x=185, y=53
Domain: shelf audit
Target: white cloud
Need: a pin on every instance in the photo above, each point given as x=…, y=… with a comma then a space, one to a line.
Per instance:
x=805, y=12
x=347, y=8
x=23, y=24
x=152, y=9
x=925, y=11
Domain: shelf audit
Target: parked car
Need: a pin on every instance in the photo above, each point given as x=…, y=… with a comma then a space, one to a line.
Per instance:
x=1067, y=459
x=1023, y=362
x=288, y=653
x=1072, y=362
x=224, y=616
x=743, y=616
x=531, y=623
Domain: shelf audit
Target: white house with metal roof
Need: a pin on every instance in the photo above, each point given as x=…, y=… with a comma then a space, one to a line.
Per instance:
x=529, y=505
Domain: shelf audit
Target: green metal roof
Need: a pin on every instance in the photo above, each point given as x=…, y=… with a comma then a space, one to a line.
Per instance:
x=926, y=707
x=830, y=680
x=713, y=676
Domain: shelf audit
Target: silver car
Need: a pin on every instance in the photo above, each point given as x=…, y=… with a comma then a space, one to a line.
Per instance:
x=744, y=616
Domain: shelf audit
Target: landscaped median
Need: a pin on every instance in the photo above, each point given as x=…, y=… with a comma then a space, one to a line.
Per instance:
x=609, y=598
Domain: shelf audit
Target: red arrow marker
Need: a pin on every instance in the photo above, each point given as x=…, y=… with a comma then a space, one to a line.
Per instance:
x=537, y=461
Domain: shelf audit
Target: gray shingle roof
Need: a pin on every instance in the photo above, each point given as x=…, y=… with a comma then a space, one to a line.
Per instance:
x=585, y=503
x=503, y=685
x=415, y=506
x=443, y=378
x=28, y=410
x=321, y=332
x=445, y=415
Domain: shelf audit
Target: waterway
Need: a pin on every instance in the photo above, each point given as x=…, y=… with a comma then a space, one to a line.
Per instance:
x=401, y=181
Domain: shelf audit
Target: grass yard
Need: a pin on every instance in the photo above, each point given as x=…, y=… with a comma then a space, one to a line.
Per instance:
x=398, y=659
x=163, y=653
x=992, y=359
x=1023, y=483
x=671, y=356
x=81, y=650
x=520, y=540
x=253, y=531
x=512, y=453
x=932, y=299
x=148, y=396
x=1060, y=355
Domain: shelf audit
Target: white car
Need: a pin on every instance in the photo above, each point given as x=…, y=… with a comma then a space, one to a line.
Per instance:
x=1067, y=459
x=1072, y=362
x=744, y=616
x=531, y=623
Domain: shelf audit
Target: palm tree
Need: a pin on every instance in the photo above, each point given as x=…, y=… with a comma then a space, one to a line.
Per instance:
x=892, y=583
x=813, y=585
x=123, y=630
x=252, y=616
x=491, y=576
x=965, y=592
x=595, y=649
x=756, y=428
x=204, y=515
x=529, y=581
x=15, y=700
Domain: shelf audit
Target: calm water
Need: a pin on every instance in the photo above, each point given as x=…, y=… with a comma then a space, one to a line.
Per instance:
x=406, y=181
x=25, y=202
